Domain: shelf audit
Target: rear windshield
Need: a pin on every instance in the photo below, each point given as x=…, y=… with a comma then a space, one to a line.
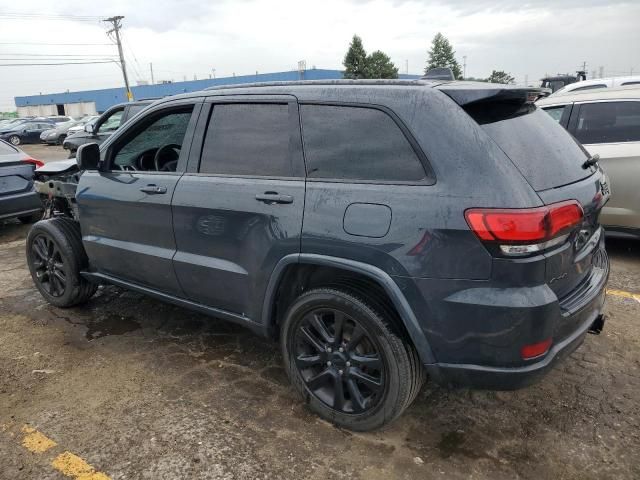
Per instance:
x=544, y=152
x=6, y=149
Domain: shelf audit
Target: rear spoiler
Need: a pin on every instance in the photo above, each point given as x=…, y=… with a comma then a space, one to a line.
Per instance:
x=468, y=93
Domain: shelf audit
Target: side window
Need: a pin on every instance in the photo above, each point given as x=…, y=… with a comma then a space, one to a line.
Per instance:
x=589, y=87
x=357, y=143
x=112, y=122
x=156, y=145
x=608, y=122
x=556, y=112
x=248, y=139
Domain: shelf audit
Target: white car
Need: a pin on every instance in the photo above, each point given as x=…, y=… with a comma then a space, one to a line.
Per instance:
x=81, y=123
x=594, y=83
x=607, y=123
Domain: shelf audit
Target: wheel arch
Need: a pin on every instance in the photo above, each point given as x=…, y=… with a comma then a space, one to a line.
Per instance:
x=286, y=267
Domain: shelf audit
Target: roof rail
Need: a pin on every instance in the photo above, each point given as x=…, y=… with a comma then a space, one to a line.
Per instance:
x=363, y=82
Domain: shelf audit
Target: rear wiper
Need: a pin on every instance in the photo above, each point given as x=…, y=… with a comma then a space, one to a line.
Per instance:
x=591, y=161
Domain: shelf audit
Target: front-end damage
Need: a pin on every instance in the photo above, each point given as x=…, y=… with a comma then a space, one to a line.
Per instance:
x=56, y=182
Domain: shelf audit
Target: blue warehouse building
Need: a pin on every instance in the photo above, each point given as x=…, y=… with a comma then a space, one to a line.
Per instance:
x=89, y=102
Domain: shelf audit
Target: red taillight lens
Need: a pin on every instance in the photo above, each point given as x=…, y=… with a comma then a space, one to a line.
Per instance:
x=535, y=349
x=34, y=162
x=521, y=226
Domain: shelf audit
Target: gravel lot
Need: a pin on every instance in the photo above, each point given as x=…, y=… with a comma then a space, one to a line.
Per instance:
x=46, y=153
x=141, y=389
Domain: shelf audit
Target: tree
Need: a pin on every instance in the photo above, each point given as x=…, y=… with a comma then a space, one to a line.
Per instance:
x=355, y=61
x=498, y=76
x=379, y=65
x=442, y=55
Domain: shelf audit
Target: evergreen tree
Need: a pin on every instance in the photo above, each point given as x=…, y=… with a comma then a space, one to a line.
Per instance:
x=355, y=61
x=379, y=65
x=442, y=55
x=498, y=76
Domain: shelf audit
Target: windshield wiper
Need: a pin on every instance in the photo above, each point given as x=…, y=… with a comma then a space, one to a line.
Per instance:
x=591, y=161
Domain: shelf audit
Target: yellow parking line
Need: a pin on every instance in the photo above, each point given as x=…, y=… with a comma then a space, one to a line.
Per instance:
x=623, y=294
x=35, y=441
x=73, y=466
x=66, y=463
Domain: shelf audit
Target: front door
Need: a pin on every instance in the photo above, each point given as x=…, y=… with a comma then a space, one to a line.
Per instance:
x=239, y=207
x=125, y=209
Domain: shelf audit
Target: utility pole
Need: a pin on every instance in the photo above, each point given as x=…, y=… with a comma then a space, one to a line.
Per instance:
x=151, y=68
x=464, y=67
x=115, y=21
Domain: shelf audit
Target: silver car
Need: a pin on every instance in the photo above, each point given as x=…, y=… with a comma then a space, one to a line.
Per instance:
x=607, y=123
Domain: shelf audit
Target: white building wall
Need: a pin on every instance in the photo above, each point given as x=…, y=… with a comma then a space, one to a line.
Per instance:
x=80, y=109
x=37, y=111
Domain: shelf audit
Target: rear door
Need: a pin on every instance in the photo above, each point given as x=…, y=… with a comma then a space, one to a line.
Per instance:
x=238, y=210
x=611, y=129
x=125, y=209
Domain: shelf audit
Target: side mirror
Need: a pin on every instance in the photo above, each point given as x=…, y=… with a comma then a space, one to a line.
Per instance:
x=88, y=128
x=88, y=156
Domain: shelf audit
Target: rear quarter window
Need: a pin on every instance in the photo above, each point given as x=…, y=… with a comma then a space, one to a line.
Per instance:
x=357, y=143
x=608, y=122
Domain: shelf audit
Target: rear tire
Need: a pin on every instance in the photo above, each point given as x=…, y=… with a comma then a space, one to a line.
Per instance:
x=15, y=140
x=56, y=257
x=356, y=384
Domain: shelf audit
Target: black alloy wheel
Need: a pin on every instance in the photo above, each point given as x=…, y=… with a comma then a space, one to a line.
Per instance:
x=48, y=265
x=339, y=362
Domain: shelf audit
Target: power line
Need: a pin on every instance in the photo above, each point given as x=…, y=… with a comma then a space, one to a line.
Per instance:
x=77, y=18
x=64, y=63
x=57, y=44
x=59, y=54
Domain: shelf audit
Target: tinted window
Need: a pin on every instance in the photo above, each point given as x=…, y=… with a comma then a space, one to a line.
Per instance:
x=357, y=143
x=543, y=151
x=248, y=139
x=608, y=122
x=556, y=112
x=134, y=109
x=140, y=152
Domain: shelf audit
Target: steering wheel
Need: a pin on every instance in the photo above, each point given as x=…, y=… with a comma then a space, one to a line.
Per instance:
x=164, y=167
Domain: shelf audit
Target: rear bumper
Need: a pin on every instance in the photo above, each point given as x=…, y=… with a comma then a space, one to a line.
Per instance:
x=500, y=367
x=20, y=204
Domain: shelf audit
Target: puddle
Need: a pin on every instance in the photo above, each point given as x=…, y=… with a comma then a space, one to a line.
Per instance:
x=451, y=443
x=110, y=325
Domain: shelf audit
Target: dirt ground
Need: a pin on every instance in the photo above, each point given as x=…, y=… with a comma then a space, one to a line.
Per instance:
x=46, y=153
x=140, y=389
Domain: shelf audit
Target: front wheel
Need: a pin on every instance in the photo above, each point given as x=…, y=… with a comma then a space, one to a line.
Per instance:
x=56, y=257
x=15, y=140
x=346, y=361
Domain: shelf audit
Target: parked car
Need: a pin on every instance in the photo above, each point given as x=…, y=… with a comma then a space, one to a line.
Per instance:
x=18, y=199
x=607, y=123
x=104, y=126
x=57, y=134
x=59, y=118
x=25, y=132
x=79, y=126
x=450, y=229
x=595, y=83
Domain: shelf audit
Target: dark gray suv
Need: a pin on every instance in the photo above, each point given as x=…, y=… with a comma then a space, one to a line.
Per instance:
x=385, y=231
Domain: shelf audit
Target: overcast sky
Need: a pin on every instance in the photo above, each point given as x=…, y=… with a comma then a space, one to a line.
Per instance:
x=190, y=37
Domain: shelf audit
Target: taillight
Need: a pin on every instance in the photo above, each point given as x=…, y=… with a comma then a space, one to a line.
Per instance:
x=535, y=349
x=34, y=162
x=527, y=230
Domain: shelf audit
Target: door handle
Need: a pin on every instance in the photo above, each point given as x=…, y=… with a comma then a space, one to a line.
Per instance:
x=271, y=198
x=153, y=189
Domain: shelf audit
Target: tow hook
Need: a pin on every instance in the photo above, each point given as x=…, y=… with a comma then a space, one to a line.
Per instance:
x=597, y=325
